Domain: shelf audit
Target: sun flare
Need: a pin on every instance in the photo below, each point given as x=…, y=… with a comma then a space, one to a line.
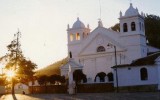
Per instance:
x=10, y=73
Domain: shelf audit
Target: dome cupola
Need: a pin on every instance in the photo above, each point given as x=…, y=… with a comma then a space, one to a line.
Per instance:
x=131, y=11
x=78, y=24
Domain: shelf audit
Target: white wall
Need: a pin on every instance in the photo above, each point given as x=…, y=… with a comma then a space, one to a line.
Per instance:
x=20, y=87
x=132, y=77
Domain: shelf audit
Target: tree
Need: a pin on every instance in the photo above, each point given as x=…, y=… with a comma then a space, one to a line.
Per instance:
x=53, y=79
x=56, y=78
x=62, y=79
x=116, y=27
x=2, y=81
x=152, y=29
x=16, y=62
x=78, y=76
x=43, y=80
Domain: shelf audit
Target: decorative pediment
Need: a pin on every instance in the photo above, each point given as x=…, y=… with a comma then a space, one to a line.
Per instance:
x=101, y=37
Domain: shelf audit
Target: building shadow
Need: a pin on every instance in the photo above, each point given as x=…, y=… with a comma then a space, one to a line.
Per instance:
x=14, y=97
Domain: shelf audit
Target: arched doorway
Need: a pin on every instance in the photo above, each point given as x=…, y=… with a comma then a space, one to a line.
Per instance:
x=110, y=77
x=101, y=76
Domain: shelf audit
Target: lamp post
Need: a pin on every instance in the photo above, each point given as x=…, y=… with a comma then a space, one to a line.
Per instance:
x=115, y=54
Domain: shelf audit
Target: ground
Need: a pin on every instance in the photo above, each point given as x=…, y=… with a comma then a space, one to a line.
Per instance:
x=85, y=96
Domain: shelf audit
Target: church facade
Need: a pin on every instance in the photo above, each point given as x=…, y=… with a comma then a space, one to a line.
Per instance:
x=99, y=52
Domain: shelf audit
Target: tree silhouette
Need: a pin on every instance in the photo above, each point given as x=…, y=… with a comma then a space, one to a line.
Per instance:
x=14, y=60
x=152, y=28
x=78, y=76
x=43, y=80
x=56, y=78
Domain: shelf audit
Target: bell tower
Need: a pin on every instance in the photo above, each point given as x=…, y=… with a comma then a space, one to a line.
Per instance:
x=132, y=31
x=76, y=35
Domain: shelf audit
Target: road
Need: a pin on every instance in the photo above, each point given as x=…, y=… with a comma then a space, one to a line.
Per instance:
x=85, y=96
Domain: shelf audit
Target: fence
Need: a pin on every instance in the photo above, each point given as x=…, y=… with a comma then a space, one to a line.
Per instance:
x=81, y=88
x=48, y=89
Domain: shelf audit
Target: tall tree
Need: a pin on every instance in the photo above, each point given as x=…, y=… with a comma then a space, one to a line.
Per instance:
x=16, y=62
x=152, y=28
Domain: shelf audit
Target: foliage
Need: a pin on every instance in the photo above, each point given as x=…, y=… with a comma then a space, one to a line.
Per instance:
x=152, y=29
x=116, y=27
x=51, y=69
x=2, y=81
x=56, y=78
x=78, y=76
x=14, y=60
x=42, y=80
x=53, y=79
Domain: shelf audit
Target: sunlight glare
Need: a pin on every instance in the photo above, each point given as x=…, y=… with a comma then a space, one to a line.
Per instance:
x=10, y=73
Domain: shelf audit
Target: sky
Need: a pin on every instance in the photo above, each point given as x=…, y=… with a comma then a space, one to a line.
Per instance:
x=43, y=23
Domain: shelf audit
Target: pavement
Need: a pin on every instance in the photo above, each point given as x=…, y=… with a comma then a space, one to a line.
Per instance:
x=85, y=96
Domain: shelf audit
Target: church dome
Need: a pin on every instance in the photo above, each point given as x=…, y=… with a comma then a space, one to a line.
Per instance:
x=78, y=24
x=131, y=11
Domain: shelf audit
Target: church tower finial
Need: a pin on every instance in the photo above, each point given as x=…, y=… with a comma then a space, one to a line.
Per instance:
x=100, y=23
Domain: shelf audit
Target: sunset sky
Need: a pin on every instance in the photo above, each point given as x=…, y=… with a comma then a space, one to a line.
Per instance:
x=43, y=23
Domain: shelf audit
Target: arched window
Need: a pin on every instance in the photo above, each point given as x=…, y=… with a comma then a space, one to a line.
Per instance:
x=144, y=74
x=77, y=36
x=71, y=37
x=133, y=26
x=101, y=49
x=125, y=28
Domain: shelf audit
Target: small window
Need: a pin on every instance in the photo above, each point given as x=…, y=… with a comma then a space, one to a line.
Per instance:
x=101, y=49
x=125, y=28
x=144, y=74
x=140, y=26
x=70, y=54
x=77, y=36
x=71, y=37
x=133, y=26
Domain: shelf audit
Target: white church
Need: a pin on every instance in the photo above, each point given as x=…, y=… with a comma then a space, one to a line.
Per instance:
x=104, y=55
